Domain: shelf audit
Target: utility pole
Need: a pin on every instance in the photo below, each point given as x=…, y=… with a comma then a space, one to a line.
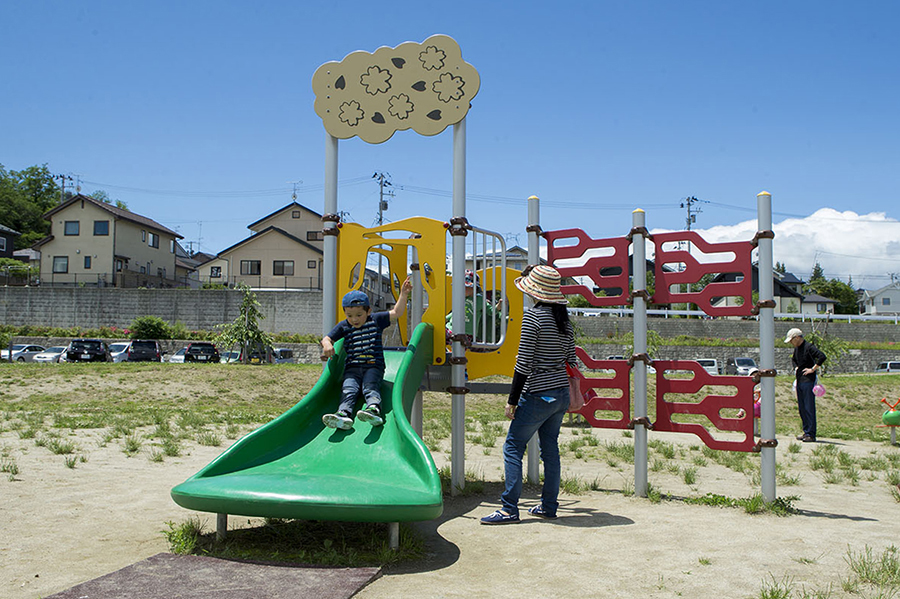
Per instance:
x=384, y=180
x=62, y=186
x=691, y=219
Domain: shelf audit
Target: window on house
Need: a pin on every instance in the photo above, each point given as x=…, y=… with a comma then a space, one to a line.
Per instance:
x=154, y=240
x=885, y=301
x=215, y=272
x=119, y=265
x=250, y=267
x=311, y=264
x=143, y=270
x=87, y=262
x=101, y=227
x=161, y=272
x=60, y=264
x=283, y=268
x=72, y=227
x=2, y=244
x=295, y=214
x=314, y=236
x=143, y=236
x=820, y=307
x=171, y=246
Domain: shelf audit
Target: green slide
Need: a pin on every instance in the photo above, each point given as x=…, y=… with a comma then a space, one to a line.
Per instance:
x=296, y=467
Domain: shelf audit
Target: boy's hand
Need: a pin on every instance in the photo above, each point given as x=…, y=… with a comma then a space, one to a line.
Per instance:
x=406, y=287
x=327, y=348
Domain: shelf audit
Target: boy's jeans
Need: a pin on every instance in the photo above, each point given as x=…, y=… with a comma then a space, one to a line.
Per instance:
x=534, y=413
x=367, y=377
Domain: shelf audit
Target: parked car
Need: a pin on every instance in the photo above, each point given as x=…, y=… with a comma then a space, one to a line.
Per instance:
x=229, y=357
x=119, y=351
x=283, y=355
x=178, y=357
x=201, y=351
x=709, y=365
x=741, y=366
x=888, y=367
x=21, y=352
x=144, y=350
x=88, y=350
x=51, y=354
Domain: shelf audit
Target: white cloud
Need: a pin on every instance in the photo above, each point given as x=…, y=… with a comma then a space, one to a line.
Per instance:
x=843, y=243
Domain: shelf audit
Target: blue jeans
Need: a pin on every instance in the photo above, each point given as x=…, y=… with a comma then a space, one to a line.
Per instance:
x=806, y=403
x=535, y=414
x=369, y=379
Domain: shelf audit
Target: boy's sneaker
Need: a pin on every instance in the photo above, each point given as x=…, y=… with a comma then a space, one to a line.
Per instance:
x=371, y=415
x=340, y=420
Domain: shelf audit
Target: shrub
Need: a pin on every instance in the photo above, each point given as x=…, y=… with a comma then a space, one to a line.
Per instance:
x=150, y=327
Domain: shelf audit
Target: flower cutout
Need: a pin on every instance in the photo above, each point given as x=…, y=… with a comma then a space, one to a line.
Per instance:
x=448, y=87
x=401, y=106
x=432, y=58
x=351, y=113
x=376, y=80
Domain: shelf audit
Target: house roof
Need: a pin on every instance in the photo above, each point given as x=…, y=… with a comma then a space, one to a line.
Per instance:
x=274, y=230
x=115, y=211
x=867, y=293
x=27, y=253
x=290, y=206
x=819, y=299
x=4, y=229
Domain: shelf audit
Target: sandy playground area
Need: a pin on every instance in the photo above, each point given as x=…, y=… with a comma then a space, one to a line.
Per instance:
x=63, y=526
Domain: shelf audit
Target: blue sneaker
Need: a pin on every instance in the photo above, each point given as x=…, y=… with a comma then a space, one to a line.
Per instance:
x=499, y=517
x=539, y=511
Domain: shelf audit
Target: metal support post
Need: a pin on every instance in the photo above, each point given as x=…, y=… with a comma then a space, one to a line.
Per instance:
x=766, y=345
x=458, y=303
x=639, y=283
x=221, y=527
x=394, y=535
x=330, y=258
x=534, y=258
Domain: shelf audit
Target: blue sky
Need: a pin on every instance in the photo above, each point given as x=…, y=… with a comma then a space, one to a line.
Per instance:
x=200, y=115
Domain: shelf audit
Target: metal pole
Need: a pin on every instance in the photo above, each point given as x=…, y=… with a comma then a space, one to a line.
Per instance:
x=415, y=316
x=534, y=258
x=330, y=266
x=458, y=297
x=394, y=535
x=221, y=526
x=639, y=283
x=766, y=346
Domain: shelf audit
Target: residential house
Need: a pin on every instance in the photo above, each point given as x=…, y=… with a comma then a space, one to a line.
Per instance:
x=787, y=298
x=881, y=302
x=95, y=243
x=817, y=304
x=7, y=241
x=285, y=251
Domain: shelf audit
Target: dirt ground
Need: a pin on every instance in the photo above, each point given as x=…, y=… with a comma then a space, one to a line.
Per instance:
x=64, y=526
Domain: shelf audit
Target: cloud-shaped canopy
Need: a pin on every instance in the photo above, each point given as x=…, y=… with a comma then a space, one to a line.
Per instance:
x=426, y=87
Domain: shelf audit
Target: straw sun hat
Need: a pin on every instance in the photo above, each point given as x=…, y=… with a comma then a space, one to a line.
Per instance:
x=542, y=283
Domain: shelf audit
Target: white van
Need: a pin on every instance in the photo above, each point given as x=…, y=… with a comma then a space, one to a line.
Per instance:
x=709, y=365
x=888, y=367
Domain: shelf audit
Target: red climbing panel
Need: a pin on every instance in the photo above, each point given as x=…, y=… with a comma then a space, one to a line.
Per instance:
x=694, y=270
x=710, y=406
x=593, y=402
x=607, y=272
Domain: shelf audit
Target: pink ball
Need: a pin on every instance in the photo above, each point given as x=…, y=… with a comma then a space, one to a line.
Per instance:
x=756, y=409
x=819, y=390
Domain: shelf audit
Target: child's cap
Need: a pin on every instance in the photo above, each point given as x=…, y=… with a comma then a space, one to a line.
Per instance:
x=355, y=298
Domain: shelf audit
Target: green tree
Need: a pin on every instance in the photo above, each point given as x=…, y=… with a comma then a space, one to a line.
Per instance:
x=104, y=197
x=833, y=347
x=817, y=277
x=244, y=330
x=24, y=198
x=843, y=293
x=780, y=267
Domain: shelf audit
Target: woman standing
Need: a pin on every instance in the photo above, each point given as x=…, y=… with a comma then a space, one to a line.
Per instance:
x=539, y=396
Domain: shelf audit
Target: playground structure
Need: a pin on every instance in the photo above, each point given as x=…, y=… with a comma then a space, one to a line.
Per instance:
x=891, y=418
x=295, y=467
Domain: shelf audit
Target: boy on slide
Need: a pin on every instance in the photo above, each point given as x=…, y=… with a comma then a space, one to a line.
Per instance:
x=364, y=369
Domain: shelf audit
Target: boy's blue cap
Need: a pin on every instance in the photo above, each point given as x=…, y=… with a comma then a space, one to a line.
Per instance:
x=355, y=298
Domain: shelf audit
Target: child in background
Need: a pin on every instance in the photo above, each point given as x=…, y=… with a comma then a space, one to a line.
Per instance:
x=364, y=368
x=477, y=312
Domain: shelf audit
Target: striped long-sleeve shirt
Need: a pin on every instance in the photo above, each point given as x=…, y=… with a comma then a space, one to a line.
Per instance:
x=543, y=351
